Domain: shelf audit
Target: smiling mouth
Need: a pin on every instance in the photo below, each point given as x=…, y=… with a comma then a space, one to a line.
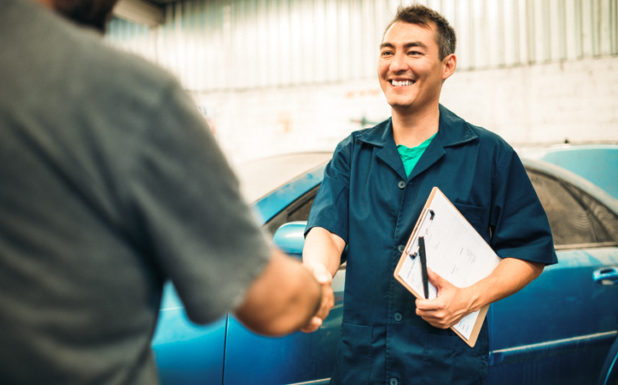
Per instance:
x=401, y=83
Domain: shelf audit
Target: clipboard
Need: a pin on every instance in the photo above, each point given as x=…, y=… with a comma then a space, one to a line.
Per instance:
x=454, y=250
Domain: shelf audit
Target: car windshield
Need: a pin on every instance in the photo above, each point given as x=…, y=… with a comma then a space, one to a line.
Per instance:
x=261, y=176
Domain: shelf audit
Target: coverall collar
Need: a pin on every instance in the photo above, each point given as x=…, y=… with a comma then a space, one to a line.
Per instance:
x=452, y=131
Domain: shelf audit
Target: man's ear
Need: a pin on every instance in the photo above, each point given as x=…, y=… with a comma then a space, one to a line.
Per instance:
x=448, y=66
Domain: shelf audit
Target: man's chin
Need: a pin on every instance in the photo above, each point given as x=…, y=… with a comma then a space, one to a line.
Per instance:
x=401, y=105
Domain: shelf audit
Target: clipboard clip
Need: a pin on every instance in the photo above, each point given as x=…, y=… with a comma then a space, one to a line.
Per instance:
x=423, y=260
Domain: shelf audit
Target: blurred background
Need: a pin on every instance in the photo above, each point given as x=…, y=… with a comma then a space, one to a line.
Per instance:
x=278, y=76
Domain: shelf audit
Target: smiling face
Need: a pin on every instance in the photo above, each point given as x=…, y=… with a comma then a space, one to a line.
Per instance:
x=409, y=68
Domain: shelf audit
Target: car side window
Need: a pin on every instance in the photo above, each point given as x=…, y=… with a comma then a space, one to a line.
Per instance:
x=574, y=216
x=606, y=224
x=297, y=211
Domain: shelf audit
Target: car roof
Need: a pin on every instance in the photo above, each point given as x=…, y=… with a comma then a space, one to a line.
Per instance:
x=596, y=162
x=282, y=168
x=574, y=179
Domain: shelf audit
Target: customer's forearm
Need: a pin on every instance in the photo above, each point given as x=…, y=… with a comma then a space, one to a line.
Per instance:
x=323, y=247
x=282, y=299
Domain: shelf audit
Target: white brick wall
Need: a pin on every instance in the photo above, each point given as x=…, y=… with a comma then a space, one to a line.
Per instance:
x=539, y=104
x=542, y=103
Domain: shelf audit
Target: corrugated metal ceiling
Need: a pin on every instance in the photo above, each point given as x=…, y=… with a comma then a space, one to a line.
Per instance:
x=245, y=44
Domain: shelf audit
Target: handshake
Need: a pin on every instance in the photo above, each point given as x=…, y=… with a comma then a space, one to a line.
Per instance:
x=327, y=299
x=286, y=297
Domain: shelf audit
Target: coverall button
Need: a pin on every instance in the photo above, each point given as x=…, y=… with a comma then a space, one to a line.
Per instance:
x=401, y=184
x=394, y=381
x=401, y=248
x=397, y=316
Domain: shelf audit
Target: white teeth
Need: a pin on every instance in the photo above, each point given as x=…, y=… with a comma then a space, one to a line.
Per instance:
x=402, y=83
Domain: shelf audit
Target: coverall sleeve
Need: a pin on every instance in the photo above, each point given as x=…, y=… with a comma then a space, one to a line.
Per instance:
x=330, y=207
x=520, y=228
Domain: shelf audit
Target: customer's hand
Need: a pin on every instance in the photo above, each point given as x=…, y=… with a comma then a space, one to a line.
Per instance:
x=325, y=279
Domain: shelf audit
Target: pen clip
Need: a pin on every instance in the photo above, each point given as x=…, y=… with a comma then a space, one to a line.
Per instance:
x=423, y=260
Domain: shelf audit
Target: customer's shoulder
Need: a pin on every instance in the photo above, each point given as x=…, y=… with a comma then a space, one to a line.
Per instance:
x=109, y=67
x=86, y=62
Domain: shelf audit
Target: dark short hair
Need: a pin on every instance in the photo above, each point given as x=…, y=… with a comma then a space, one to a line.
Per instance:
x=90, y=13
x=419, y=14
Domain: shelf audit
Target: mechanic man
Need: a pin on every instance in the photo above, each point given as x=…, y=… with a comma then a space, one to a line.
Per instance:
x=373, y=191
x=111, y=184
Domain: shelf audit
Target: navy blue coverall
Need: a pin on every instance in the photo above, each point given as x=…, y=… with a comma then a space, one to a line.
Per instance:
x=368, y=201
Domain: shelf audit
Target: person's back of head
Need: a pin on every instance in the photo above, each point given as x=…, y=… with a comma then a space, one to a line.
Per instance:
x=90, y=13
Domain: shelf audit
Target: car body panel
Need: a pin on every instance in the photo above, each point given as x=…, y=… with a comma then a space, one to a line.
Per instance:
x=609, y=372
x=187, y=353
x=272, y=204
x=299, y=357
x=570, y=323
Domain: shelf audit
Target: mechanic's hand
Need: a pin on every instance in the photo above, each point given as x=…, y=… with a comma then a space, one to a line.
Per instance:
x=449, y=307
x=328, y=298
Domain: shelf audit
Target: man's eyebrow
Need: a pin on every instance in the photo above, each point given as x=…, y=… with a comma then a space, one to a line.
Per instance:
x=405, y=46
x=415, y=44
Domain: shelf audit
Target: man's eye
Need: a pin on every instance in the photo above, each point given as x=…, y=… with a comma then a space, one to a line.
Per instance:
x=386, y=53
x=415, y=53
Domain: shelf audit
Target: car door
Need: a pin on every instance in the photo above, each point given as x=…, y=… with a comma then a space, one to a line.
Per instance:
x=187, y=353
x=558, y=329
x=299, y=357
x=225, y=351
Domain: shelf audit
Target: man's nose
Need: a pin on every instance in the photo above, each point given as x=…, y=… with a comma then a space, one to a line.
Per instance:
x=398, y=63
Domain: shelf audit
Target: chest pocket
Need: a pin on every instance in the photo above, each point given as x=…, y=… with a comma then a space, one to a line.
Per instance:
x=476, y=216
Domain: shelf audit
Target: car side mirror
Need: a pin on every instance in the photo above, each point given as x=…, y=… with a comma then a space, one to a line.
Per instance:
x=290, y=237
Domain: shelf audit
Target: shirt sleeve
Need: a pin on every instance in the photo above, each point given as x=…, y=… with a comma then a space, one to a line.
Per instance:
x=330, y=207
x=190, y=218
x=519, y=223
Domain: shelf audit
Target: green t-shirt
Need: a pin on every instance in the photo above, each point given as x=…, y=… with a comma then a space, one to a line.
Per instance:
x=411, y=155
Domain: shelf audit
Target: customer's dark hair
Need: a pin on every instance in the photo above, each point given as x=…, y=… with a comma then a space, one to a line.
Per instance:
x=90, y=13
x=419, y=14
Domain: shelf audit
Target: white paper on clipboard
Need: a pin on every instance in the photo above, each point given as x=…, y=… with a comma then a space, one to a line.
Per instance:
x=454, y=250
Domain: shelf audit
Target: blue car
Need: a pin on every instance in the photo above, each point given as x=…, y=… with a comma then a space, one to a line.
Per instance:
x=560, y=329
x=596, y=162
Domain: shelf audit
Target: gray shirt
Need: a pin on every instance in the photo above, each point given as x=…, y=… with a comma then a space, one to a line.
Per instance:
x=110, y=184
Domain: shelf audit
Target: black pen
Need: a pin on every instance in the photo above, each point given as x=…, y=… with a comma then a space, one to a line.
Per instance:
x=421, y=252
